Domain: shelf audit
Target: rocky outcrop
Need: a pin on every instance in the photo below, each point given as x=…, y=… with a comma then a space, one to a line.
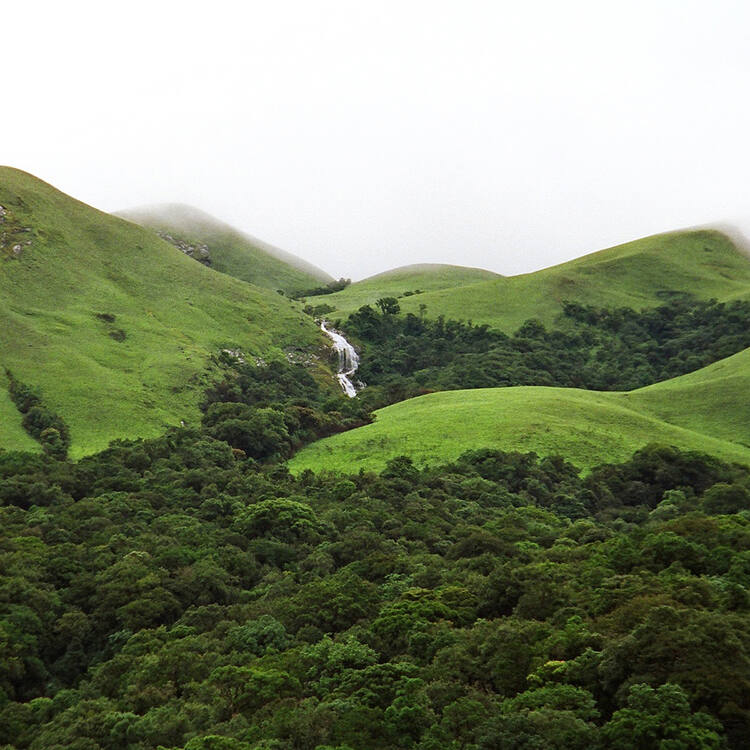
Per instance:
x=12, y=239
x=199, y=251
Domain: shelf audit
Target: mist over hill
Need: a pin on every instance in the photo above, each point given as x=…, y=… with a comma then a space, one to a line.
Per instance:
x=229, y=250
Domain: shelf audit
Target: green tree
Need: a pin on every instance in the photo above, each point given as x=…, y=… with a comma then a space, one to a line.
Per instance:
x=388, y=305
x=658, y=719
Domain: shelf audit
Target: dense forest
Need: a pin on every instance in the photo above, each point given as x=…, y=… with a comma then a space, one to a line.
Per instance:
x=172, y=593
x=594, y=348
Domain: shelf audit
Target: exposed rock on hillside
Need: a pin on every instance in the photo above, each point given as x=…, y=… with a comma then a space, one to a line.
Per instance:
x=199, y=251
x=12, y=241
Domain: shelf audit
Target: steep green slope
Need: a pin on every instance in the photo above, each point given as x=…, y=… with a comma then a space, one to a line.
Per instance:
x=231, y=251
x=712, y=400
x=422, y=277
x=705, y=411
x=115, y=325
x=644, y=273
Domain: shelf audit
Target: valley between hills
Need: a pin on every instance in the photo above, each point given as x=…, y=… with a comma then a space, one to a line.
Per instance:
x=85, y=278
x=523, y=522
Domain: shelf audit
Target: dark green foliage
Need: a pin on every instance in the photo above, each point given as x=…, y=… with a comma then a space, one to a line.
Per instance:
x=173, y=593
x=44, y=425
x=269, y=411
x=259, y=433
x=318, y=311
x=388, y=306
x=329, y=288
x=23, y=396
x=661, y=718
x=593, y=348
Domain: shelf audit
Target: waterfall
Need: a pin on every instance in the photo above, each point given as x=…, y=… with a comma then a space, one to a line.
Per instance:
x=348, y=359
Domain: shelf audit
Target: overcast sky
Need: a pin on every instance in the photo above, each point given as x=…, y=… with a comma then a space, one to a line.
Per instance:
x=363, y=136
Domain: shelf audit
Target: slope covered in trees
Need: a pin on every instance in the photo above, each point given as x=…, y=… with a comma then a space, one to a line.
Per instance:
x=170, y=593
x=593, y=348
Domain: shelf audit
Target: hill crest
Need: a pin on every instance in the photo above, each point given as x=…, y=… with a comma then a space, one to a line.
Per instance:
x=232, y=251
x=705, y=263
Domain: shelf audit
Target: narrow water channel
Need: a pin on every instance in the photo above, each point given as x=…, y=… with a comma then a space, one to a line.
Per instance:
x=348, y=359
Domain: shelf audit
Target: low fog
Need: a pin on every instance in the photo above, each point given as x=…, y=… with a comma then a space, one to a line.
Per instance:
x=361, y=137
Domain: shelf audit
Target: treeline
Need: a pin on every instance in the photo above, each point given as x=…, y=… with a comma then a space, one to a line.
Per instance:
x=593, y=348
x=329, y=288
x=173, y=593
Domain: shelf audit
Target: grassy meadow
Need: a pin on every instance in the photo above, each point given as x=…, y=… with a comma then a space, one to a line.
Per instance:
x=712, y=401
x=703, y=411
x=115, y=326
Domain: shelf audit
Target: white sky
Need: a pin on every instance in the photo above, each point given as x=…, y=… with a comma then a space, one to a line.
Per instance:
x=363, y=136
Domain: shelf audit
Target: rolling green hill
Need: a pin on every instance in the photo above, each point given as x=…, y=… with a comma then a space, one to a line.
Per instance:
x=705, y=410
x=712, y=400
x=231, y=251
x=647, y=272
x=113, y=324
x=426, y=277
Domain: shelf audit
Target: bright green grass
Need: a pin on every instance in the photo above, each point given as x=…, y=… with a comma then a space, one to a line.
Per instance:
x=174, y=311
x=644, y=273
x=712, y=400
x=232, y=252
x=586, y=427
x=427, y=277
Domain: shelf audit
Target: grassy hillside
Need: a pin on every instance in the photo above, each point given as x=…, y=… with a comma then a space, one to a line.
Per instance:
x=647, y=272
x=113, y=324
x=231, y=251
x=424, y=277
x=705, y=410
x=712, y=400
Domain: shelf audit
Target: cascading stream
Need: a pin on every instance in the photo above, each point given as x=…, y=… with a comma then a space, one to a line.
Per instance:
x=348, y=359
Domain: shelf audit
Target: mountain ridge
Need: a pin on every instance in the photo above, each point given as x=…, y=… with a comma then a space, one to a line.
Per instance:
x=642, y=273
x=232, y=251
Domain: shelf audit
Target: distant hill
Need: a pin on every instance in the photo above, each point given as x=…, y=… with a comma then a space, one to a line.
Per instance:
x=404, y=283
x=231, y=251
x=115, y=326
x=647, y=272
x=705, y=410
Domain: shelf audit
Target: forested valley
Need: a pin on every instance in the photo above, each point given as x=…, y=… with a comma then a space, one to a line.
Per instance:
x=594, y=348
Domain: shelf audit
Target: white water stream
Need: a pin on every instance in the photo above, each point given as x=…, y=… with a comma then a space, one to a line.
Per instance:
x=348, y=359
